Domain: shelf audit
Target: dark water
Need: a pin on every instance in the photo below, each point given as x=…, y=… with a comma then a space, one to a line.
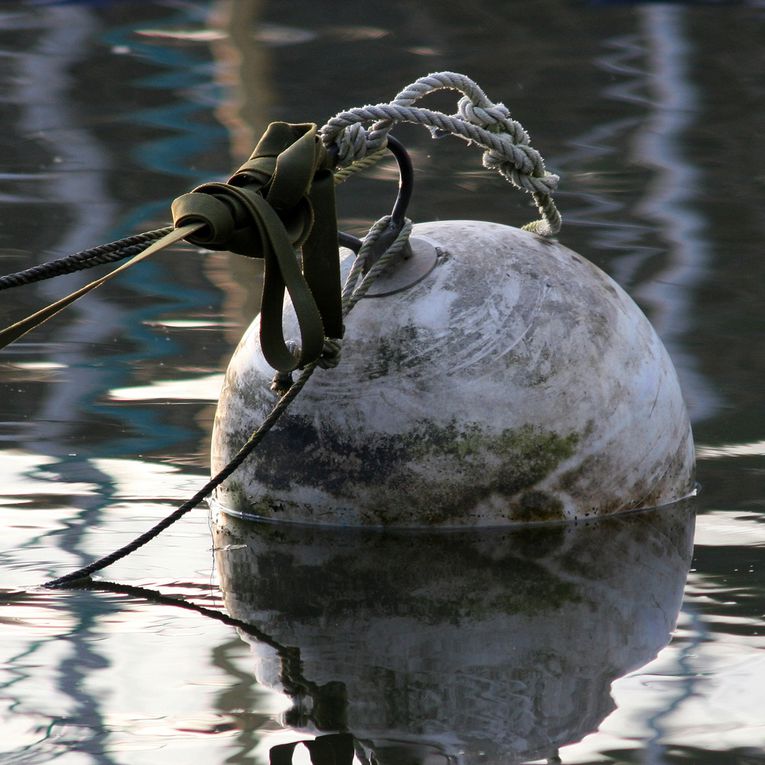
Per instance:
x=509, y=646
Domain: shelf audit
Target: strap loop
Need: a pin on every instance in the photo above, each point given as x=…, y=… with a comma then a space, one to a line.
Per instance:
x=279, y=202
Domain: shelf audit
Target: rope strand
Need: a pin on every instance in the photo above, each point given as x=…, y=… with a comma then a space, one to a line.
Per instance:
x=95, y=256
x=190, y=504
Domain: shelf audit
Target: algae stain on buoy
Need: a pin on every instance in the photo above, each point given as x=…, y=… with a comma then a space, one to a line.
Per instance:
x=510, y=381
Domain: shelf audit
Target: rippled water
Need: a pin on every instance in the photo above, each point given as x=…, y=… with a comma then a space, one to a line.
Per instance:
x=511, y=645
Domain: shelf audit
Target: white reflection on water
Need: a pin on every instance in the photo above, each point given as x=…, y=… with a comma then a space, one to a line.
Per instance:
x=755, y=449
x=669, y=200
x=204, y=388
x=706, y=690
x=147, y=699
x=26, y=474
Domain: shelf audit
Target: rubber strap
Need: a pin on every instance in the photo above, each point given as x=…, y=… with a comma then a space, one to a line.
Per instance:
x=321, y=256
x=282, y=272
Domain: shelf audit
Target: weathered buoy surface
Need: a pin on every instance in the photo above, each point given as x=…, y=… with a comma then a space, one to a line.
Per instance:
x=512, y=382
x=473, y=646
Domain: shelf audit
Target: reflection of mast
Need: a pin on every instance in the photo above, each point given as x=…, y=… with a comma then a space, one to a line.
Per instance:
x=667, y=244
x=79, y=187
x=670, y=199
x=671, y=204
x=244, y=72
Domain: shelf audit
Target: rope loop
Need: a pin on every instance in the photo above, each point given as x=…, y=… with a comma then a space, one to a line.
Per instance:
x=506, y=144
x=367, y=267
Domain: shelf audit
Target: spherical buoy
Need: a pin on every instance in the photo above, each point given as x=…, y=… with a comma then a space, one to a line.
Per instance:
x=496, y=377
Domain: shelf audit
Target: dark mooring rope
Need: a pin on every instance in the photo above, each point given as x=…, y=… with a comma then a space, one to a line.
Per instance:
x=95, y=256
x=397, y=229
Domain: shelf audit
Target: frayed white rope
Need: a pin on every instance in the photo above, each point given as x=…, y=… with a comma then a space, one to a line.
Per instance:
x=478, y=120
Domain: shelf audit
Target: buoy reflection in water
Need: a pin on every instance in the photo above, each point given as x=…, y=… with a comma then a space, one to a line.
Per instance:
x=494, y=646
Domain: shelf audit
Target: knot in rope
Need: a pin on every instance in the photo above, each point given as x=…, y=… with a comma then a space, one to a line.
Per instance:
x=279, y=206
x=330, y=356
x=478, y=120
x=329, y=359
x=354, y=143
x=522, y=166
x=515, y=159
x=493, y=117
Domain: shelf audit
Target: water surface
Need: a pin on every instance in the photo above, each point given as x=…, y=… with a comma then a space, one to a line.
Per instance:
x=652, y=114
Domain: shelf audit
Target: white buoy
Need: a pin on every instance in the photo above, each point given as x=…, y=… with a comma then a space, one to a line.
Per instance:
x=497, y=378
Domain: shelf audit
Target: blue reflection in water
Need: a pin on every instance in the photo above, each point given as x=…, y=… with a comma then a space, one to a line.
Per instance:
x=44, y=110
x=66, y=36
x=174, y=155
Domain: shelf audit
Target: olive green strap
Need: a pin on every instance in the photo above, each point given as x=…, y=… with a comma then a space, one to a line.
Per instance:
x=301, y=174
x=280, y=200
x=282, y=272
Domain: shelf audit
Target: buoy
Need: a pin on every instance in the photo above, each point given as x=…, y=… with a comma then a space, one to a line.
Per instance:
x=493, y=646
x=491, y=377
x=498, y=378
